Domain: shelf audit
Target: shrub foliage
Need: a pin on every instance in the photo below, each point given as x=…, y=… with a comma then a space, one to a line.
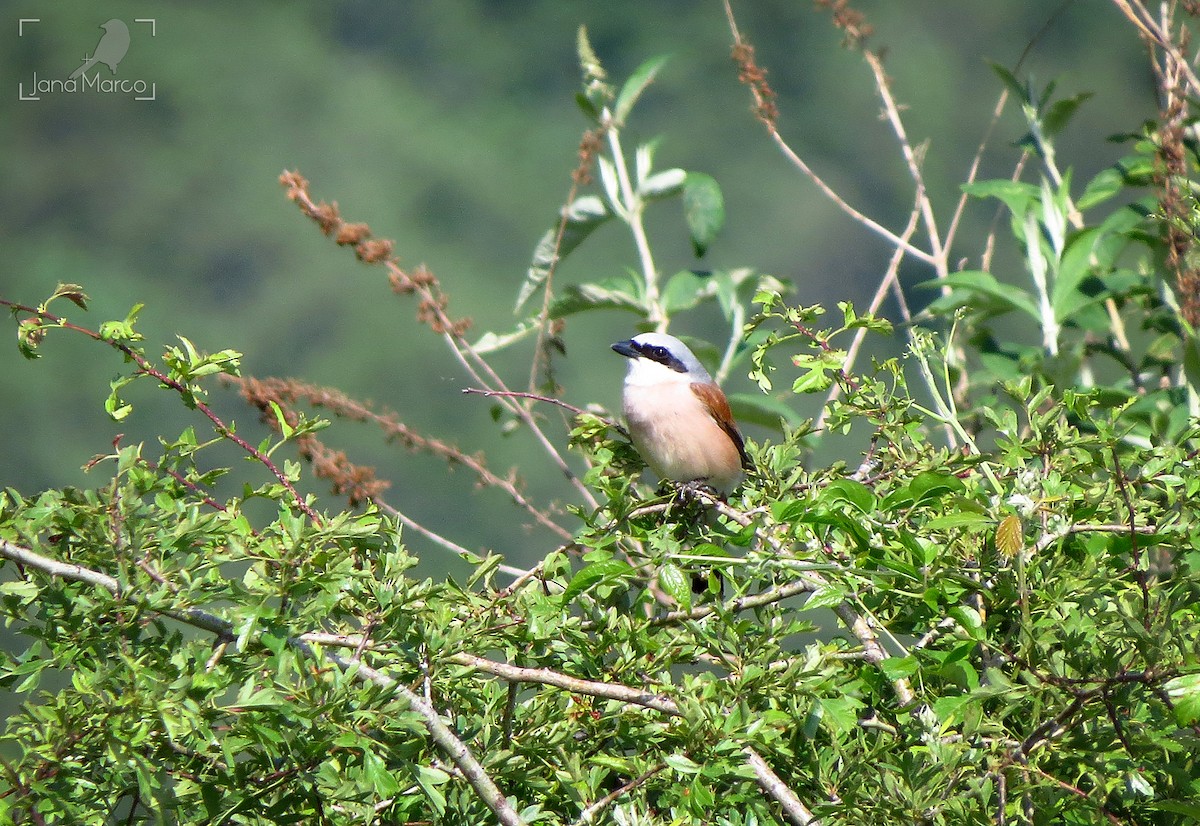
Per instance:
x=988, y=617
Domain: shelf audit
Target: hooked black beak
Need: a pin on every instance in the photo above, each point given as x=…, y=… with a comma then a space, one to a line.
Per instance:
x=626, y=349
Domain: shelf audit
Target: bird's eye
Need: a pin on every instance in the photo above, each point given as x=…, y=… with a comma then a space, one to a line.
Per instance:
x=659, y=353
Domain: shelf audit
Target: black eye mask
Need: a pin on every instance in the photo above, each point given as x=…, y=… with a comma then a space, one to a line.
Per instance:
x=660, y=354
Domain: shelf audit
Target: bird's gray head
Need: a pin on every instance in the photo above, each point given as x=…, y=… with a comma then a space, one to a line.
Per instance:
x=658, y=357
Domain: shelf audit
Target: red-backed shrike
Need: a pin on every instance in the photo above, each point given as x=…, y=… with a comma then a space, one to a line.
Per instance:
x=678, y=418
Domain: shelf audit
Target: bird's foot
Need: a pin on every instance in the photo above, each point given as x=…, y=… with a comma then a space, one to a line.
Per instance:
x=694, y=487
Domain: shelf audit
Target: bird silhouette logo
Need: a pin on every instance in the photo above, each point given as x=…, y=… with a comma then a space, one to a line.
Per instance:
x=111, y=49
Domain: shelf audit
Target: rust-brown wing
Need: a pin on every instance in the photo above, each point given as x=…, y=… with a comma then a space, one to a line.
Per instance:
x=718, y=408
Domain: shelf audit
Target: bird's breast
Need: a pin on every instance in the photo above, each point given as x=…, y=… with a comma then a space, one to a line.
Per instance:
x=677, y=436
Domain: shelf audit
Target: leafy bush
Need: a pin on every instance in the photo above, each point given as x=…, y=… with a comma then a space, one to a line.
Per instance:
x=990, y=619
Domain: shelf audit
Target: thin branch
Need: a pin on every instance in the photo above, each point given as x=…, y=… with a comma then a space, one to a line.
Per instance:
x=589, y=814
x=592, y=688
x=436, y=538
x=890, y=282
x=770, y=782
x=1078, y=792
x=743, y=52
x=1049, y=539
x=432, y=309
x=582, y=174
x=828, y=191
x=146, y=368
x=439, y=732
x=774, y=594
x=976, y=162
x=517, y=394
x=633, y=209
x=287, y=392
x=187, y=483
x=1146, y=24
x=793, y=808
x=892, y=111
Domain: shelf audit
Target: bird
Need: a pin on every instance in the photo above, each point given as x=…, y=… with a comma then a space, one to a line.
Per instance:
x=678, y=418
x=111, y=49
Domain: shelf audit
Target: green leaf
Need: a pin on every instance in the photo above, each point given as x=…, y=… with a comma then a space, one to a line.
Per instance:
x=611, y=184
x=589, y=109
x=841, y=712
x=1060, y=113
x=850, y=492
x=1184, y=692
x=114, y=405
x=1075, y=287
x=72, y=292
x=23, y=588
x=595, y=89
x=281, y=420
x=818, y=370
x=684, y=290
x=621, y=293
x=427, y=777
x=30, y=333
x=484, y=569
x=1018, y=196
x=637, y=83
x=895, y=668
x=582, y=218
x=1019, y=90
x=491, y=342
x=932, y=484
x=610, y=570
x=948, y=708
x=682, y=764
x=827, y=596
x=663, y=184
x=789, y=510
x=978, y=282
x=703, y=209
x=1107, y=184
x=675, y=584
x=122, y=330
x=951, y=521
x=1190, y=810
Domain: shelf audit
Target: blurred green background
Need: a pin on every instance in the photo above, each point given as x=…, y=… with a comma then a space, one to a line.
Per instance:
x=451, y=128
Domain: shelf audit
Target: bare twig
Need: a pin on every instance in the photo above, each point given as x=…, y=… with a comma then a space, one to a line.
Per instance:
x=436, y=538
x=793, y=808
x=589, y=814
x=589, y=145
x=892, y=112
x=889, y=283
x=744, y=55
x=592, y=688
x=1078, y=792
x=777, y=593
x=1141, y=17
x=973, y=172
x=537, y=397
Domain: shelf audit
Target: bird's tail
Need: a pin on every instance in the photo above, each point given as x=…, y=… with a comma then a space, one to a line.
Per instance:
x=87, y=64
